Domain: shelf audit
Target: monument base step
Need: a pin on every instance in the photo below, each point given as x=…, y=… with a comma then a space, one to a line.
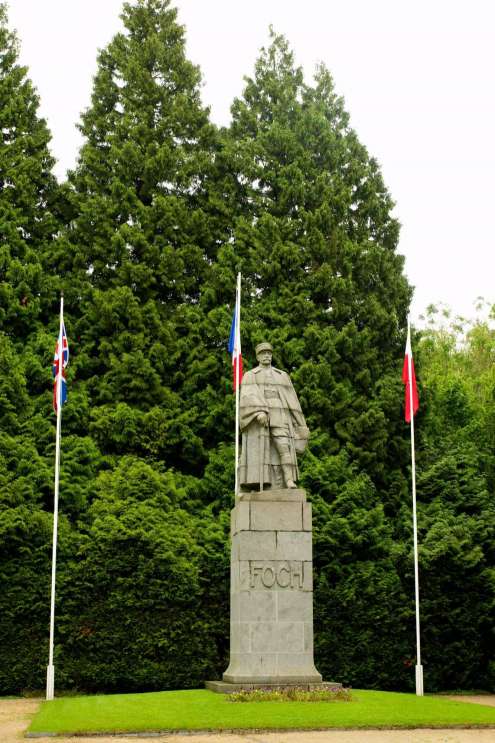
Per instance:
x=224, y=687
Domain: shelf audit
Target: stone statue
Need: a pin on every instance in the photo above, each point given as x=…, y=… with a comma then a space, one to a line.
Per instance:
x=273, y=427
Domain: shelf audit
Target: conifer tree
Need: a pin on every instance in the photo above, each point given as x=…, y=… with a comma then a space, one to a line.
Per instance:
x=133, y=259
x=28, y=193
x=139, y=178
x=140, y=242
x=316, y=240
x=29, y=220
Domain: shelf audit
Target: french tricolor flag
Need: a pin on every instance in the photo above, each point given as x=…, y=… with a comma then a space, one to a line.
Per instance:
x=235, y=338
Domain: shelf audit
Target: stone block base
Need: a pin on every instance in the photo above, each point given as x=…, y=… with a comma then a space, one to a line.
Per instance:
x=271, y=590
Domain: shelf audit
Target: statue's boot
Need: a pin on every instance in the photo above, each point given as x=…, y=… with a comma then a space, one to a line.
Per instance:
x=287, y=470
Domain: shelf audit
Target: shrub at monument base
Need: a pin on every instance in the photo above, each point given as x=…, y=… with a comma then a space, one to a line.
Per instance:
x=205, y=710
x=291, y=694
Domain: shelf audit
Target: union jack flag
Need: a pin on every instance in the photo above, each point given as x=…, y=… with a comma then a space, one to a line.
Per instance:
x=60, y=362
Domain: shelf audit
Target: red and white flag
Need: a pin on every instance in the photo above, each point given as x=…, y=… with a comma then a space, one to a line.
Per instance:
x=409, y=378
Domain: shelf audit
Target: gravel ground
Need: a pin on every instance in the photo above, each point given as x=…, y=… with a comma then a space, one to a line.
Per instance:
x=15, y=715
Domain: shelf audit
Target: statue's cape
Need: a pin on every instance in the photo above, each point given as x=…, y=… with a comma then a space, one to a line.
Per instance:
x=252, y=399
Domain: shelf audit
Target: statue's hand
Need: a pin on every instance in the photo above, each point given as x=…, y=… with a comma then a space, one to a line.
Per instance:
x=262, y=418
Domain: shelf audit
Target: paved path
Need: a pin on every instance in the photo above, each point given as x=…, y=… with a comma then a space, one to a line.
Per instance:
x=488, y=699
x=15, y=715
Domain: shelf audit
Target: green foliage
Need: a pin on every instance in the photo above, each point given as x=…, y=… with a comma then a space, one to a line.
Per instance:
x=29, y=203
x=292, y=694
x=316, y=243
x=158, y=216
x=138, y=593
x=25, y=565
x=15, y=405
x=140, y=243
x=28, y=193
x=457, y=511
x=361, y=609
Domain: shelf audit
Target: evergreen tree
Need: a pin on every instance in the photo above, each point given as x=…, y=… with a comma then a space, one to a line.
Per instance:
x=455, y=484
x=29, y=220
x=140, y=242
x=316, y=242
x=142, y=234
x=28, y=193
x=314, y=236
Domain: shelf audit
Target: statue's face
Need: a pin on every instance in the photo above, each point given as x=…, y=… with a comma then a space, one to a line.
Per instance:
x=265, y=358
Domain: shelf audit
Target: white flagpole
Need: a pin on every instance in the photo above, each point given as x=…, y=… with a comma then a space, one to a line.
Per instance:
x=50, y=671
x=237, y=374
x=419, y=667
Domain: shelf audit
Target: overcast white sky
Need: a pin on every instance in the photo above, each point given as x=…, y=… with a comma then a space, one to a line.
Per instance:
x=417, y=78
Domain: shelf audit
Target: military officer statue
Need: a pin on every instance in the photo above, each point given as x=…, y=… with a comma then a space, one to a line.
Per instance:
x=273, y=427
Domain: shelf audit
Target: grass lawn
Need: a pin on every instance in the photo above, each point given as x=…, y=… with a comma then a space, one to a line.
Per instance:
x=205, y=710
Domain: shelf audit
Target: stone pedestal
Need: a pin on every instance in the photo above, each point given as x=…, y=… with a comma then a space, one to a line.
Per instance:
x=271, y=590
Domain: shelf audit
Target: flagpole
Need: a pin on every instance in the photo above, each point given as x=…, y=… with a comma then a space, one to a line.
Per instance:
x=50, y=671
x=419, y=667
x=237, y=374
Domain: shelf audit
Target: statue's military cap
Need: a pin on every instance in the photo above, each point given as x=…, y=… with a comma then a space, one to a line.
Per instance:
x=263, y=347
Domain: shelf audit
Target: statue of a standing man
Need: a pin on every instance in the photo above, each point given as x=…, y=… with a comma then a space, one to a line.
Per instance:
x=272, y=424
